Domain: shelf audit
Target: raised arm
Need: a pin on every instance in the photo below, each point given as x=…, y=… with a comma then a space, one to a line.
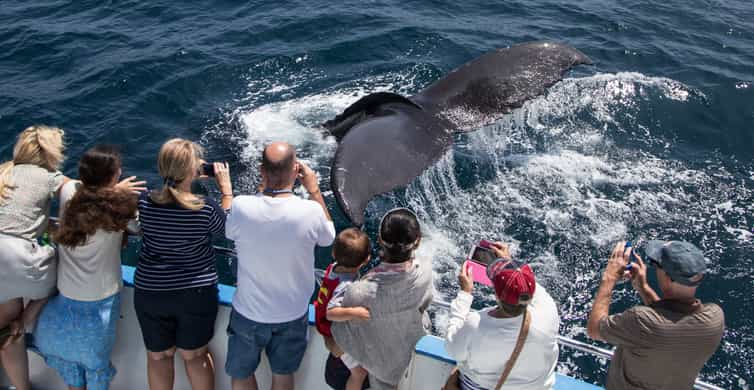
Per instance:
x=460, y=332
x=311, y=183
x=615, y=269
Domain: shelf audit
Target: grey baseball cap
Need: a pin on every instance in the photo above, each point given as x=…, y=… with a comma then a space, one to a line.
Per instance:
x=682, y=261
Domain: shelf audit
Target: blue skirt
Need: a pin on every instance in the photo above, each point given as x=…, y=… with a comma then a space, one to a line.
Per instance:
x=76, y=339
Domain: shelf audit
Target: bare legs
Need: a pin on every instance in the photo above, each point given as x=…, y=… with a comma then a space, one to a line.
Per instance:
x=357, y=378
x=200, y=369
x=13, y=355
x=282, y=382
x=160, y=373
x=249, y=383
x=279, y=382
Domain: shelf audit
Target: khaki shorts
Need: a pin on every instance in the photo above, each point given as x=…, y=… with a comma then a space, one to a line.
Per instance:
x=27, y=269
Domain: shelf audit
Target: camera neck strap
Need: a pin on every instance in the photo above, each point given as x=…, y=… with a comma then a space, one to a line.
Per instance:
x=272, y=192
x=522, y=333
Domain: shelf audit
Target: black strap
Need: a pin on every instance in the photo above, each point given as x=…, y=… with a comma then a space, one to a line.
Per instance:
x=271, y=192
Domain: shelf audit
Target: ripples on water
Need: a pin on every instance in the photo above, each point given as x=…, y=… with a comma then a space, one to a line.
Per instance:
x=654, y=141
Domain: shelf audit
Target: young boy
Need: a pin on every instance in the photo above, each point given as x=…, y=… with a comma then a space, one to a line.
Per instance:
x=350, y=251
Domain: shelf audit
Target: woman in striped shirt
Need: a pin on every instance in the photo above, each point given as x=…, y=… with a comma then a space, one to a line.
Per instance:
x=176, y=279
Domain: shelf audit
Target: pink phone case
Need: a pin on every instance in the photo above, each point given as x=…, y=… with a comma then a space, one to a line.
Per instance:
x=479, y=270
x=479, y=273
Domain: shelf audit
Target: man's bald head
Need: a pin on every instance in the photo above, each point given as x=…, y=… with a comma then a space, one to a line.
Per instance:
x=279, y=165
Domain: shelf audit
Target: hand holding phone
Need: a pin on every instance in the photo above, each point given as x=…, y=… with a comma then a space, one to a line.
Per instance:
x=466, y=277
x=480, y=256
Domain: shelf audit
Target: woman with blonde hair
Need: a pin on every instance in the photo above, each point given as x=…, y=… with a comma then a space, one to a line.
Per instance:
x=176, y=279
x=28, y=184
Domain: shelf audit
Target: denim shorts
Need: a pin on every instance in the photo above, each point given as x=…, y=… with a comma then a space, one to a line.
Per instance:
x=284, y=344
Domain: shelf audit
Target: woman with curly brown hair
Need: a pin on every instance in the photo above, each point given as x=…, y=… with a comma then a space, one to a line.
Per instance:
x=76, y=329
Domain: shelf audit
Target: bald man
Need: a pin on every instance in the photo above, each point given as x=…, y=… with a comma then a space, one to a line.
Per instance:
x=275, y=233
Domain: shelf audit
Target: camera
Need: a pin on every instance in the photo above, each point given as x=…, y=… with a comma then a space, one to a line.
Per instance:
x=207, y=169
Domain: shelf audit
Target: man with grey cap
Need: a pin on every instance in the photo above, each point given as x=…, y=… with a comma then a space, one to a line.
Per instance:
x=664, y=343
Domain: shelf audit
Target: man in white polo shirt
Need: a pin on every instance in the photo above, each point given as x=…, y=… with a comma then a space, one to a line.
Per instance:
x=275, y=233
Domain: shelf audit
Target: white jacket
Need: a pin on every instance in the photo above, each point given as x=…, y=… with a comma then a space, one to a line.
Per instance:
x=482, y=344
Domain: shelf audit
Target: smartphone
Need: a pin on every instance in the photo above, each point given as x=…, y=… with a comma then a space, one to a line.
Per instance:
x=208, y=169
x=632, y=256
x=482, y=255
x=479, y=258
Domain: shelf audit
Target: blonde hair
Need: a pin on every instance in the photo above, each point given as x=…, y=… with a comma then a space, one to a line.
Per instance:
x=178, y=160
x=37, y=145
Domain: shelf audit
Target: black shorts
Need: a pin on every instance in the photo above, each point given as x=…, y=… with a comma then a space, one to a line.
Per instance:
x=182, y=318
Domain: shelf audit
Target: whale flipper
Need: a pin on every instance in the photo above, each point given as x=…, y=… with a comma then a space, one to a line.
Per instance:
x=386, y=151
x=387, y=140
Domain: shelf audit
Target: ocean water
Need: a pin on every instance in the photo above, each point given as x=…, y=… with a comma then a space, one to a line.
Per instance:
x=654, y=141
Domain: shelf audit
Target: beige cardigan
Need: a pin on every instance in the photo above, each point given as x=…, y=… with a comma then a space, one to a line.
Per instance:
x=397, y=302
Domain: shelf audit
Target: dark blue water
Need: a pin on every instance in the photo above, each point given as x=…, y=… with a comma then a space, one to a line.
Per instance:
x=653, y=141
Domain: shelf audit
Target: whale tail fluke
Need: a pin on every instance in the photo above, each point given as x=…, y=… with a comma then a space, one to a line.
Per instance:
x=385, y=140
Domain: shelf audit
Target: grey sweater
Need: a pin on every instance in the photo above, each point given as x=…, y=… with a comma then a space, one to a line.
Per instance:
x=397, y=302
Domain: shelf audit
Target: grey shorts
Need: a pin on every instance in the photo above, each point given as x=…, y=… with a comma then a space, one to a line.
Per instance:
x=284, y=345
x=27, y=269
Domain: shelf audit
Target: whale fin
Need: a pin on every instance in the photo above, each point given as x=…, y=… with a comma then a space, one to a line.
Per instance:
x=386, y=151
x=362, y=109
x=482, y=90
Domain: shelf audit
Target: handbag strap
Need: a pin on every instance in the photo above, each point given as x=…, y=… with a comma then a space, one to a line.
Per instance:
x=522, y=333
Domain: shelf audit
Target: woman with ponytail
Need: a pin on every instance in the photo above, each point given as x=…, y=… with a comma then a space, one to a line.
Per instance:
x=28, y=184
x=397, y=292
x=176, y=280
x=76, y=329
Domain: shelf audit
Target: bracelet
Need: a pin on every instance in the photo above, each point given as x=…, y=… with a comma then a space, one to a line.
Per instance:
x=315, y=193
x=227, y=195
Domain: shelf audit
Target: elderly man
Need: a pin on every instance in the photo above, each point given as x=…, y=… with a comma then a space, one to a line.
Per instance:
x=275, y=233
x=664, y=343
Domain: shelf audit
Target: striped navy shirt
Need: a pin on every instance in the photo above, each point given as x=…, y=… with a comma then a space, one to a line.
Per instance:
x=176, y=250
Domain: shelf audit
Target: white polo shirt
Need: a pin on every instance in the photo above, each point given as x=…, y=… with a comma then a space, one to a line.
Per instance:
x=275, y=239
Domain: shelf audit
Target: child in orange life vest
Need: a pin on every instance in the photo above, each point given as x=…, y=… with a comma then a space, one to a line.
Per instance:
x=351, y=252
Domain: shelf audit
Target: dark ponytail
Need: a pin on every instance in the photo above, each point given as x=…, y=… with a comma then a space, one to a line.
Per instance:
x=96, y=205
x=399, y=235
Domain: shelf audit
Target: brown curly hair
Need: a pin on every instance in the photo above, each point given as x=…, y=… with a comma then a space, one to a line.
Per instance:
x=96, y=205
